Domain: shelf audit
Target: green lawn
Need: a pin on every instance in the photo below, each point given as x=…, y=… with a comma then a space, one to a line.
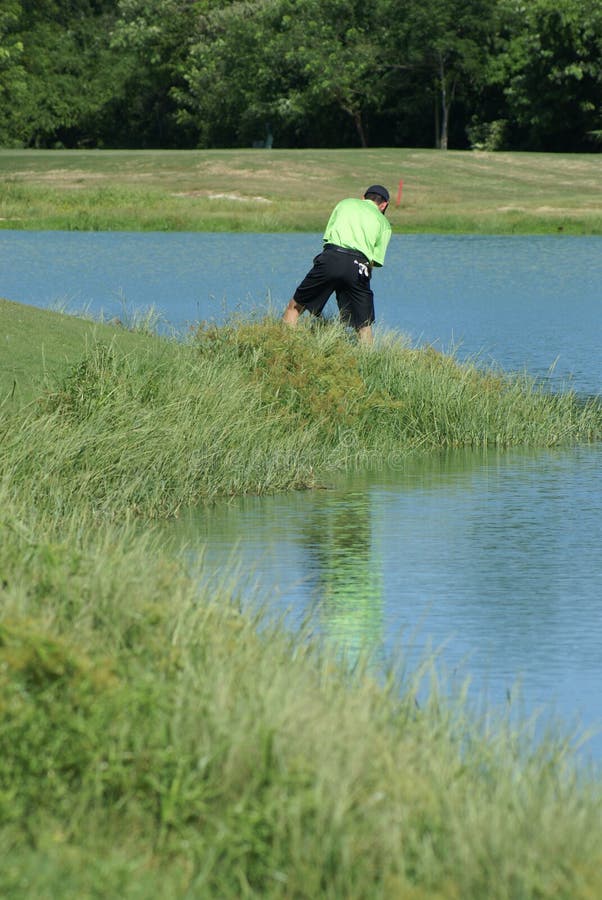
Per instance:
x=39, y=345
x=293, y=190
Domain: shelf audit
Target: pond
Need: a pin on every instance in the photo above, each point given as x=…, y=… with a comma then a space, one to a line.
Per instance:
x=490, y=559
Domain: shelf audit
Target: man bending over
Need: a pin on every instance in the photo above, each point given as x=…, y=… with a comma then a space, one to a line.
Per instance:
x=355, y=240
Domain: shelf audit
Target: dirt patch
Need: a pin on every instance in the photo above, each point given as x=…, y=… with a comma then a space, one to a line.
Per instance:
x=209, y=196
x=281, y=171
x=62, y=177
x=548, y=210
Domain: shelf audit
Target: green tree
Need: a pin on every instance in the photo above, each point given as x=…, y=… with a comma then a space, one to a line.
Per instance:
x=12, y=72
x=227, y=79
x=303, y=65
x=335, y=51
x=548, y=64
x=64, y=76
x=438, y=49
x=151, y=38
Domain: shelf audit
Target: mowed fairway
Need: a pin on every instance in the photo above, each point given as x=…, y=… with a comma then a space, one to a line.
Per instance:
x=294, y=190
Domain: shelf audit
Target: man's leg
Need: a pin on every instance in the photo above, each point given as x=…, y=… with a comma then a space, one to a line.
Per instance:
x=364, y=335
x=356, y=300
x=315, y=289
x=292, y=312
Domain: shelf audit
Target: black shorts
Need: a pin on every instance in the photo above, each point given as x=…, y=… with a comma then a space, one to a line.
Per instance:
x=345, y=272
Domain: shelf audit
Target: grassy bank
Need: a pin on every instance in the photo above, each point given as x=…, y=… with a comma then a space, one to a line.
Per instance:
x=256, y=407
x=155, y=742
x=294, y=190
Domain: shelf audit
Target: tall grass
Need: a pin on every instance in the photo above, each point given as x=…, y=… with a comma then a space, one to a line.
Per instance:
x=40, y=345
x=256, y=407
x=157, y=742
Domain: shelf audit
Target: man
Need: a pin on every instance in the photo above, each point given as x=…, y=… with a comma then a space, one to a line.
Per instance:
x=355, y=240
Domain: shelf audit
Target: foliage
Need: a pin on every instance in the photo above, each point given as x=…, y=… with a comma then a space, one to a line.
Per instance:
x=488, y=136
x=63, y=45
x=224, y=100
x=447, y=43
x=346, y=79
x=301, y=73
x=152, y=37
x=12, y=72
x=548, y=65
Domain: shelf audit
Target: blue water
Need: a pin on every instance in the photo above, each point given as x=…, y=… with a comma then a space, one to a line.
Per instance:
x=491, y=559
x=529, y=303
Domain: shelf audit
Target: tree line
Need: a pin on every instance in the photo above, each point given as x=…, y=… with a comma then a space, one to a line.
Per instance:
x=491, y=74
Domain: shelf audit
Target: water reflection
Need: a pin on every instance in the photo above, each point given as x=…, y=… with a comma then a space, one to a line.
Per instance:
x=492, y=557
x=345, y=581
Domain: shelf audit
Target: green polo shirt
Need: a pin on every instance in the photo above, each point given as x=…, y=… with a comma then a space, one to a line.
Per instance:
x=359, y=225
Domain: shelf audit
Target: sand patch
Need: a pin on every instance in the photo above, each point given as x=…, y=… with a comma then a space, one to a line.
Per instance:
x=229, y=196
x=549, y=210
x=281, y=171
x=62, y=175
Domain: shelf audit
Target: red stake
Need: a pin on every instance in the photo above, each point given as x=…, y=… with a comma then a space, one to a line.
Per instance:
x=399, y=190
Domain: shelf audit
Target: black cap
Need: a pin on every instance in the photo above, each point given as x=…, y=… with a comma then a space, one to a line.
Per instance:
x=380, y=190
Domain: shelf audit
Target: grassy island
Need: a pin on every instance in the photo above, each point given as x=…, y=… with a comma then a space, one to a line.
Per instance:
x=155, y=741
